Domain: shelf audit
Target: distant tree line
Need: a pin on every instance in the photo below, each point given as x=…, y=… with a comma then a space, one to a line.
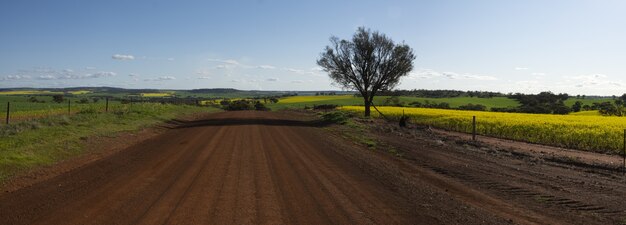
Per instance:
x=442, y=93
x=542, y=103
x=325, y=93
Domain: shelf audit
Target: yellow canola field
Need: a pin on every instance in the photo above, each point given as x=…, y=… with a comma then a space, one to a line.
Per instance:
x=594, y=133
x=26, y=92
x=156, y=94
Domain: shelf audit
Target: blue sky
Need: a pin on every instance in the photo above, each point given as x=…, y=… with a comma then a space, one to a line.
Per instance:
x=578, y=47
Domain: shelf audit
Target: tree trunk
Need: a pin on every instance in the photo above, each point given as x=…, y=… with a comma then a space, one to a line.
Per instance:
x=367, y=107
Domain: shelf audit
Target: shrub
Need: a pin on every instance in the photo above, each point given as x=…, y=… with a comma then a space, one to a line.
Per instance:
x=57, y=98
x=239, y=105
x=474, y=107
x=260, y=106
x=324, y=107
x=338, y=117
x=83, y=101
x=393, y=101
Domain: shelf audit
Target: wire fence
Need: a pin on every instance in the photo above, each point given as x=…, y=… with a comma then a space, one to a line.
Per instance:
x=19, y=110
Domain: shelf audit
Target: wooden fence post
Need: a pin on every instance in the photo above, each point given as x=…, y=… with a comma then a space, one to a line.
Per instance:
x=69, y=107
x=474, y=128
x=106, y=108
x=8, y=111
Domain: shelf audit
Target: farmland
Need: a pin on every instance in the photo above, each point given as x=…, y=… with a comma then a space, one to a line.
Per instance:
x=43, y=133
x=454, y=102
x=44, y=141
x=591, y=132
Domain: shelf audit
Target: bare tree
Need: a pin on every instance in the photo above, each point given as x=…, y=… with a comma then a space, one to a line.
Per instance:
x=370, y=63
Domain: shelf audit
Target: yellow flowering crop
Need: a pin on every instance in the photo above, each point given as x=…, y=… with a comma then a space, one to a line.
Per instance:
x=595, y=133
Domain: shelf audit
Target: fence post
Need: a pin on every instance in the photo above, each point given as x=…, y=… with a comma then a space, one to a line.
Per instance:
x=474, y=128
x=106, y=108
x=624, y=155
x=8, y=111
x=69, y=107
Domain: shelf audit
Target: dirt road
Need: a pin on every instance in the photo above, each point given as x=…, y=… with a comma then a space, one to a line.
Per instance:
x=232, y=168
x=260, y=168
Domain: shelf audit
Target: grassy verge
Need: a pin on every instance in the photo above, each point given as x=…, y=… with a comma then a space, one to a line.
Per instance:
x=41, y=142
x=352, y=128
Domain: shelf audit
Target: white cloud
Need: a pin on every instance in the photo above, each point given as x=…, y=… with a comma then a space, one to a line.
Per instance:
x=227, y=61
x=272, y=79
x=478, y=77
x=204, y=78
x=133, y=75
x=590, y=80
x=432, y=74
x=86, y=76
x=46, y=77
x=170, y=59
x=294, y=70
x=203, y=72
x=225, y=66
x=269, y=67
x=521, y=68
x=122, y=57
x=71, y=75
x=101, y=74
x=161, y=78
x=15, y=77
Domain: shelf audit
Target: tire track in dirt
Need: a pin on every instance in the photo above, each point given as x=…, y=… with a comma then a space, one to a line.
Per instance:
x=246, y=168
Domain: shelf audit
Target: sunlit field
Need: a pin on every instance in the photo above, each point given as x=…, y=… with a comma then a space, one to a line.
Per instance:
x=29, y=93
x=156, y=94
x=590, y=132
x=304, y=99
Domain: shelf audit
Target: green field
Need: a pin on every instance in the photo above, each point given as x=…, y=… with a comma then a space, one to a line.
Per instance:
x=342, y=100
x=345, y=100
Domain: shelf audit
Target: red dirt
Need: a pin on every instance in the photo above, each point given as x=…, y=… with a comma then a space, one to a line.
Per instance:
x=282, y=168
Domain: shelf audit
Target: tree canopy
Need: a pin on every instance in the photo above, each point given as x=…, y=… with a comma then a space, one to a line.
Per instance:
x=369, y=63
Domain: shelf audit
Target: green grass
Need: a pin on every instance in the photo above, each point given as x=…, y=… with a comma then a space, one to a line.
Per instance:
x=587, y=101
x=41, y=142
x=586, y=113
x=344, y=100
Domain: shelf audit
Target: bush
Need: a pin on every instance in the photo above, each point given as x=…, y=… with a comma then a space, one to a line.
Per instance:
x=324, y=107
x=474, y=107
x=57, y=98
x=338, y=117
x=393, y=101
x=260, y=106
x=429, y=104
x=239, y=105
x=510, y=110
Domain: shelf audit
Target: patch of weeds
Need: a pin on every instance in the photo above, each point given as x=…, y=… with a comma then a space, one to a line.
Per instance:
x=338, y=117
x=394, y=151
x=369, y=142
